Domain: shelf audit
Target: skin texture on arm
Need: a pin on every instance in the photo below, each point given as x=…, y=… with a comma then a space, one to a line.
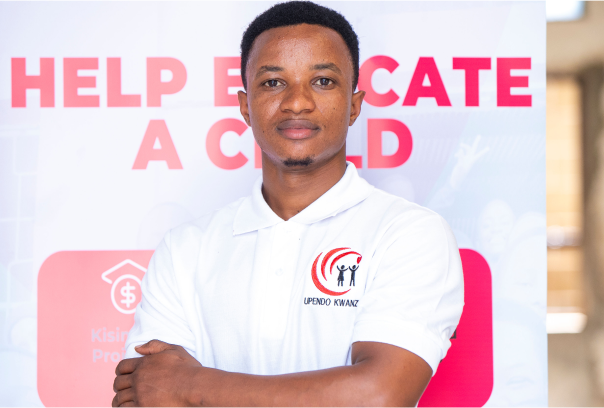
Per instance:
x=380, y=375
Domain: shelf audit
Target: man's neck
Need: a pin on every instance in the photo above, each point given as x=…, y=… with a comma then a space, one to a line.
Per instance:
x=289, y=191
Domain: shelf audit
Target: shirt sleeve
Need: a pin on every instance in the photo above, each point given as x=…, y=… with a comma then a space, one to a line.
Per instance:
x=415, y=294
x=160, y=314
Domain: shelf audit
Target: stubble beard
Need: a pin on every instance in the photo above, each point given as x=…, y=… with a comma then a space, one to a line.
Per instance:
x=291, y=162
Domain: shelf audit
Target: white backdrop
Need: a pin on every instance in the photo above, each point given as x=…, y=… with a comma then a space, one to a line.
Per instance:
x=67, y=181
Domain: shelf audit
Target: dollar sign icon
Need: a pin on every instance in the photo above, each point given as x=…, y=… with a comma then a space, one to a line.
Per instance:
x=125, y=286
x=127, y=294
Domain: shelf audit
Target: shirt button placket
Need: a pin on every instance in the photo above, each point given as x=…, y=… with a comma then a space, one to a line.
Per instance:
x=280, y=281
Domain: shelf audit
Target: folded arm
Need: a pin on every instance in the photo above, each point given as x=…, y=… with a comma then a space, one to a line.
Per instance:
x=380, y=375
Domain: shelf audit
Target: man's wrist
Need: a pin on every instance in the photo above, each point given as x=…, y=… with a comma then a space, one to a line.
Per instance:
x=204, y=386
x=196, y=386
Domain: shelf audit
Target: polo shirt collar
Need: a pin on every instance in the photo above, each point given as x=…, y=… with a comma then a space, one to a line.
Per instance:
x=254, y=213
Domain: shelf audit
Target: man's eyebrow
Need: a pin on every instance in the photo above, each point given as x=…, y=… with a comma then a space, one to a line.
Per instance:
x=268, y=68
x=329, y=65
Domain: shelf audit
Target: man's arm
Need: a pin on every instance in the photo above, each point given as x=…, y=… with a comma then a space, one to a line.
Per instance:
x=380, y=375
x=161, y=314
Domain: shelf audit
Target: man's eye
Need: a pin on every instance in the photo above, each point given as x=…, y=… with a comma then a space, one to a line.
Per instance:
x=271, y=83
x=324, y=82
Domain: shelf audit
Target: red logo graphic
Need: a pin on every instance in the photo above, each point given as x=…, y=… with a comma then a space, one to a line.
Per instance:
x=86, y=304
x=465, y=376
x=337, y=255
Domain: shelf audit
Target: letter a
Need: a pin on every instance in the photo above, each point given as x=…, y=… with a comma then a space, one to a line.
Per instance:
x=426, y=67
x=157, y=130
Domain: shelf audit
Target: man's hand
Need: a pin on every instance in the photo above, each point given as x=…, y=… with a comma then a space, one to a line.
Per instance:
x=162, y=377
x=380, y=375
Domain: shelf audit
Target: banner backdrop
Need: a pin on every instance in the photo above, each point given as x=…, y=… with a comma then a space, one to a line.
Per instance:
x=119, y=121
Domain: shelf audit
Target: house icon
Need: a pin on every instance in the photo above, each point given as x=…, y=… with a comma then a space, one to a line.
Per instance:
x=118, y=266
x=125, y=285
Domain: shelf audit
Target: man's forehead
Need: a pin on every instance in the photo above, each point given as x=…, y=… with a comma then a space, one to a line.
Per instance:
x=288, y=40
x=298, y=31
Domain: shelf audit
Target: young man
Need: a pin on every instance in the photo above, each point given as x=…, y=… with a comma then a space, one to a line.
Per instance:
x=244, y=303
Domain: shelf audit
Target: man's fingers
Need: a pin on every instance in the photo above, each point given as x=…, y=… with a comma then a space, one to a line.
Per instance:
x=124, y=397
x=114, y=403
x=153, y=347
x=122, y=382
x=127, y=366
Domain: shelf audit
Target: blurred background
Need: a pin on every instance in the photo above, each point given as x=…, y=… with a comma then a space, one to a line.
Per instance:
x=575, y=202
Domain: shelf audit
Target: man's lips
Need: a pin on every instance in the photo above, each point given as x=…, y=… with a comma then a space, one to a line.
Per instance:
x=297, y=128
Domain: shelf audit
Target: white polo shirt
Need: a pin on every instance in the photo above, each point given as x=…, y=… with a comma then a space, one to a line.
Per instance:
x=244, y=291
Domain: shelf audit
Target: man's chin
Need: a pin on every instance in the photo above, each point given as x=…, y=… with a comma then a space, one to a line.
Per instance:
x=296, y=162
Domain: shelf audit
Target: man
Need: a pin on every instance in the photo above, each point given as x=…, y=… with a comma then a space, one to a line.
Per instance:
x=244, y=304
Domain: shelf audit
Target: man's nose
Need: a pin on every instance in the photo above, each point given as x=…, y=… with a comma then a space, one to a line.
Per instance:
x=298, y=99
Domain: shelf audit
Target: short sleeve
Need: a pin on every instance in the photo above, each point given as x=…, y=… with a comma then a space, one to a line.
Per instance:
x=415, y=295
x=160, y=314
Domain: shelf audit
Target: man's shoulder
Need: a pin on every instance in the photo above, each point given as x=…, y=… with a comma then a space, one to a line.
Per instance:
x=395, y=218
x=218, y=221
x=392, y=208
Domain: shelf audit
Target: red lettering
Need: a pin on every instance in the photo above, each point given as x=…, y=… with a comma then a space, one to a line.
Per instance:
x=115, y=98
x=45, y=82
x=223, y=81
x=155, y=87
x=426, y=67
x=72, y=82
x=375, y=158
x=215, y=133
x=505, y=82
x=472, y=66
x=157, y=130
x=366, y=73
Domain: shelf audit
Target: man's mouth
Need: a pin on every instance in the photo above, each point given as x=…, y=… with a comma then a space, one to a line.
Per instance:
x=297, y=128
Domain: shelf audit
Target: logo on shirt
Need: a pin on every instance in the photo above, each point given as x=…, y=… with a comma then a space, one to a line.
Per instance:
x=333, y=282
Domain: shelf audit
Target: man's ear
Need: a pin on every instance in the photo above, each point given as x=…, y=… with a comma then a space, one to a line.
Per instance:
x=355, y=106
x=243, y=107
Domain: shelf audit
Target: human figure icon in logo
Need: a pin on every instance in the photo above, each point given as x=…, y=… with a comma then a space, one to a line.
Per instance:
x=353, y=270
x=342, y=269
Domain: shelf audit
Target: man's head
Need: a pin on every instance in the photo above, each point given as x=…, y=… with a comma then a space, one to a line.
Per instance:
x=300, y=12
x=299, y=64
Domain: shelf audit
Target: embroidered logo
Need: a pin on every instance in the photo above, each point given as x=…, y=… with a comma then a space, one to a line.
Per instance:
x=346, y=262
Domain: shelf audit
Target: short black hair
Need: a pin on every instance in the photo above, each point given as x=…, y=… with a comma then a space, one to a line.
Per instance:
x=301, y=12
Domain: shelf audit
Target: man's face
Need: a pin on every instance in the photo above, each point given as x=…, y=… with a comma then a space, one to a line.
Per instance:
x=299, y=99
